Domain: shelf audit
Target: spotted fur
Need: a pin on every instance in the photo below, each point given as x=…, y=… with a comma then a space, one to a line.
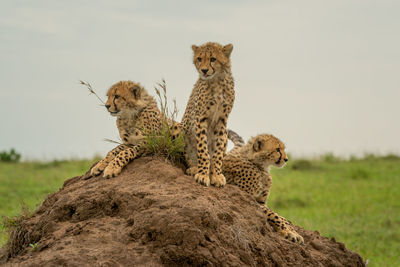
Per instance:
x=207, y=112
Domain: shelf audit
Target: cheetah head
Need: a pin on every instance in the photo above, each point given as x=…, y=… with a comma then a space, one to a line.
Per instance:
x=211, y=59
x=267, y=150
x=124, y=97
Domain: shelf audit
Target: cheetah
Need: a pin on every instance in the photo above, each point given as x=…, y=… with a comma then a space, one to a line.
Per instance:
x=207, y=112
x=137, y=115
x=247, y=166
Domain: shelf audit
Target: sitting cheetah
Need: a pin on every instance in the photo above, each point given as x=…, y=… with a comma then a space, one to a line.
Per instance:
x=137, y=114
x=247, y=166
x=207, y=112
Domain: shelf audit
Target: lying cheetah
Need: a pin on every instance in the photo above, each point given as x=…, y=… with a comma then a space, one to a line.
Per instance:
x=207, y=112
x=247, y=166
x=137, y=114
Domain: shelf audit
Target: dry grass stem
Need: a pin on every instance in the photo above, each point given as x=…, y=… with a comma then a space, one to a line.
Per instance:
x=112, y=141
x=90, y=88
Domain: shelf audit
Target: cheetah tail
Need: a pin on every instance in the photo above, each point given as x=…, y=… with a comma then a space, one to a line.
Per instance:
x=235, y=138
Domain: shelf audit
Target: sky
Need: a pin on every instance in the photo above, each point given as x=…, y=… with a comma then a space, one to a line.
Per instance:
x=323, y=76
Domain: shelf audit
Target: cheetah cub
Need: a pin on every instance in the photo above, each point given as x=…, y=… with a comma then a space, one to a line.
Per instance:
x=247, y=166
x=206, y=114
x=137, y=114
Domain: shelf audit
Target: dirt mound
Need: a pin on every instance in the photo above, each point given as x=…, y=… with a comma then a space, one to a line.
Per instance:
x=153, y=214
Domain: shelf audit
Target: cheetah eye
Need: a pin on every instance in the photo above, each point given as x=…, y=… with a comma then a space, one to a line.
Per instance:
x=116, y=96
x=278, y=149
x=213, y=59
x=199, y=59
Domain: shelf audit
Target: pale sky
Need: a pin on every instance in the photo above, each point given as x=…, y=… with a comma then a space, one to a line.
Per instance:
x=323, y=76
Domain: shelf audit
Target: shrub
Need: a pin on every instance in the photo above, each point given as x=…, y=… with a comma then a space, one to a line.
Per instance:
x=286, y=202
x=373, y=157
x=50, y=164
x=391, y=157
x=11, y=156
x=369, y=157
x=359, y=173
x=301, y=164
x=330, y=158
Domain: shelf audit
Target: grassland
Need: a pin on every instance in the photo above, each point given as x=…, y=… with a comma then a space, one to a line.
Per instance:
x=356, y=201
x=27, y=184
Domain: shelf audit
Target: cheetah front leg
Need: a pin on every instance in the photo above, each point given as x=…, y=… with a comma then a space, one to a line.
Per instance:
x=191, y=151
x=221, y=139
x=102, y=164
x=282, y=226
x=264, y=185
x=121, y=160
x=203, y=158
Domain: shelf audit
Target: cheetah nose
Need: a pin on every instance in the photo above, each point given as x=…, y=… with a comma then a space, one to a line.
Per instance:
x=108, y=106
x=204, y=71
x=286, y=160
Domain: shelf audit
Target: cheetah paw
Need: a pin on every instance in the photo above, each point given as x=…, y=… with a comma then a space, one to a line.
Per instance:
x=111, y=171
x=293, y=236
x=202, y=179
x=191, y=171
x=98, y=168
x=218, y=180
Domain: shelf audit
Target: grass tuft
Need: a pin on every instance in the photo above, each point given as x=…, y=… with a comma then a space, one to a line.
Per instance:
x=169, y=141
x=16, y=232
x=34, y=246
x=9, y=223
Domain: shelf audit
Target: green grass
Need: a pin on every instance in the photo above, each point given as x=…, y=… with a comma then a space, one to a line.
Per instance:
x=28, y=183
x=355, y=201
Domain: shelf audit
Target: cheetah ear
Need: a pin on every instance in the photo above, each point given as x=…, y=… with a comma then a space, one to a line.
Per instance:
x=194, y=48
x=227, y=50
x=257, y=145
x=137, y=91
